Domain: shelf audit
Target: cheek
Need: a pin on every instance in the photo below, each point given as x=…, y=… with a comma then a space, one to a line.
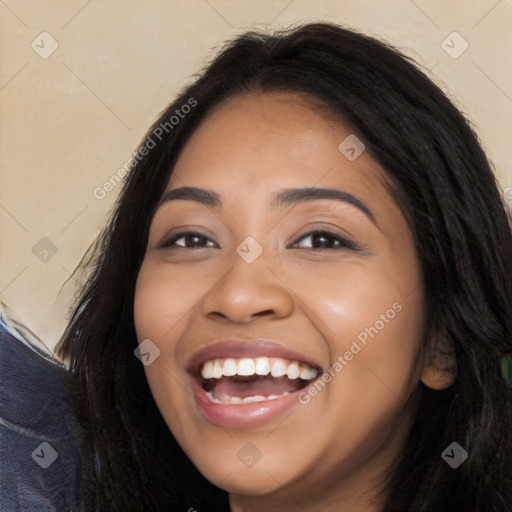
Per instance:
x=357, y=298
x=372, y=322
x=161, y=302
x=164, y=297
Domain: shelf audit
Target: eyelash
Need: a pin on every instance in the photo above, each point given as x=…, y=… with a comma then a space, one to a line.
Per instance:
x=168, y=244
x=344, y=243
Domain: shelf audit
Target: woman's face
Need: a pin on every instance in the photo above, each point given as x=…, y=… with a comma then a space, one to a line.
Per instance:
x=281, y=286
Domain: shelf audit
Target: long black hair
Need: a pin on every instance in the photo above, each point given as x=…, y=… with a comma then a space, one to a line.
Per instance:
x=442, y=180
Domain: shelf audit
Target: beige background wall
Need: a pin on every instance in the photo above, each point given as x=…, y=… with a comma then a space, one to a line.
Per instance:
x=70, y=119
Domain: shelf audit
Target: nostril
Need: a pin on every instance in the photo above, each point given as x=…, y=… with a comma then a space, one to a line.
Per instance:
x=262, y=313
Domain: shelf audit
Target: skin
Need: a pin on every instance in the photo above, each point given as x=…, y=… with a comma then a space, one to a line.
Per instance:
x=334, y=452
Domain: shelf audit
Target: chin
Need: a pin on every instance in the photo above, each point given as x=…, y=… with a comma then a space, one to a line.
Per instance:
x=249, y=483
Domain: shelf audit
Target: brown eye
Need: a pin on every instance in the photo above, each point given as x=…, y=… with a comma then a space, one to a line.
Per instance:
x=188, y=240
x=324, y=240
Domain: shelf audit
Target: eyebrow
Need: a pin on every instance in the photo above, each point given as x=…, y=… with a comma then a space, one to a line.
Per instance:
x=286, y=197
x=206, y=197
x=293, y=196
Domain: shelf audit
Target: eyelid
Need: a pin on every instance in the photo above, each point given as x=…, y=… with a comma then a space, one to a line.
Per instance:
x=346, y=242
x=169, y=240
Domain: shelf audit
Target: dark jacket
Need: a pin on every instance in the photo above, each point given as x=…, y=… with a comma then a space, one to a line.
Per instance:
x=39, y=441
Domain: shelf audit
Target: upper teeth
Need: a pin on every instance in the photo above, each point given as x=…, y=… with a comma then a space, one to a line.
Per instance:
x=247, y=366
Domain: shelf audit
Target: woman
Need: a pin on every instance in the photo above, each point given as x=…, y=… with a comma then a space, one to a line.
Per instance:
x=311, y=258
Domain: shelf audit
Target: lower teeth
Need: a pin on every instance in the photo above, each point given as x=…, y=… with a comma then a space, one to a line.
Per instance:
x=239, y=400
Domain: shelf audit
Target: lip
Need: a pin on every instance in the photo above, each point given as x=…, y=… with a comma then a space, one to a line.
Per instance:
x=252, y=414
x=248, y=415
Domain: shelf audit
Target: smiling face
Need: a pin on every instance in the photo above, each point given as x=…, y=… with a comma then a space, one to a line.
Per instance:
x=281, y=286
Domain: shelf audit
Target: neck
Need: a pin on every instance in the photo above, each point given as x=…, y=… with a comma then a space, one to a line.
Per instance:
x=354, y=500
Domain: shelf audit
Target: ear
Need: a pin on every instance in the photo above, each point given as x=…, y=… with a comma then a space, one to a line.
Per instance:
x=440, y=366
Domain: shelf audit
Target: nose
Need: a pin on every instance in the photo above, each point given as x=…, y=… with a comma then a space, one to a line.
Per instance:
x=248, y=291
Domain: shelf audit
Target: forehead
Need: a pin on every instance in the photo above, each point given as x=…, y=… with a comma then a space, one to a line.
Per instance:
x=257, y=142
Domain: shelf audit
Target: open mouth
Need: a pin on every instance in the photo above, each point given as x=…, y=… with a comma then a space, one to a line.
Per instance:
x=232, y=381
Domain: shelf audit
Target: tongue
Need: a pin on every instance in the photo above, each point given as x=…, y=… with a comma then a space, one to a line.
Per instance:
x=263, y=386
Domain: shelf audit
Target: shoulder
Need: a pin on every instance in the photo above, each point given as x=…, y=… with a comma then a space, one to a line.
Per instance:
x=39, y=436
